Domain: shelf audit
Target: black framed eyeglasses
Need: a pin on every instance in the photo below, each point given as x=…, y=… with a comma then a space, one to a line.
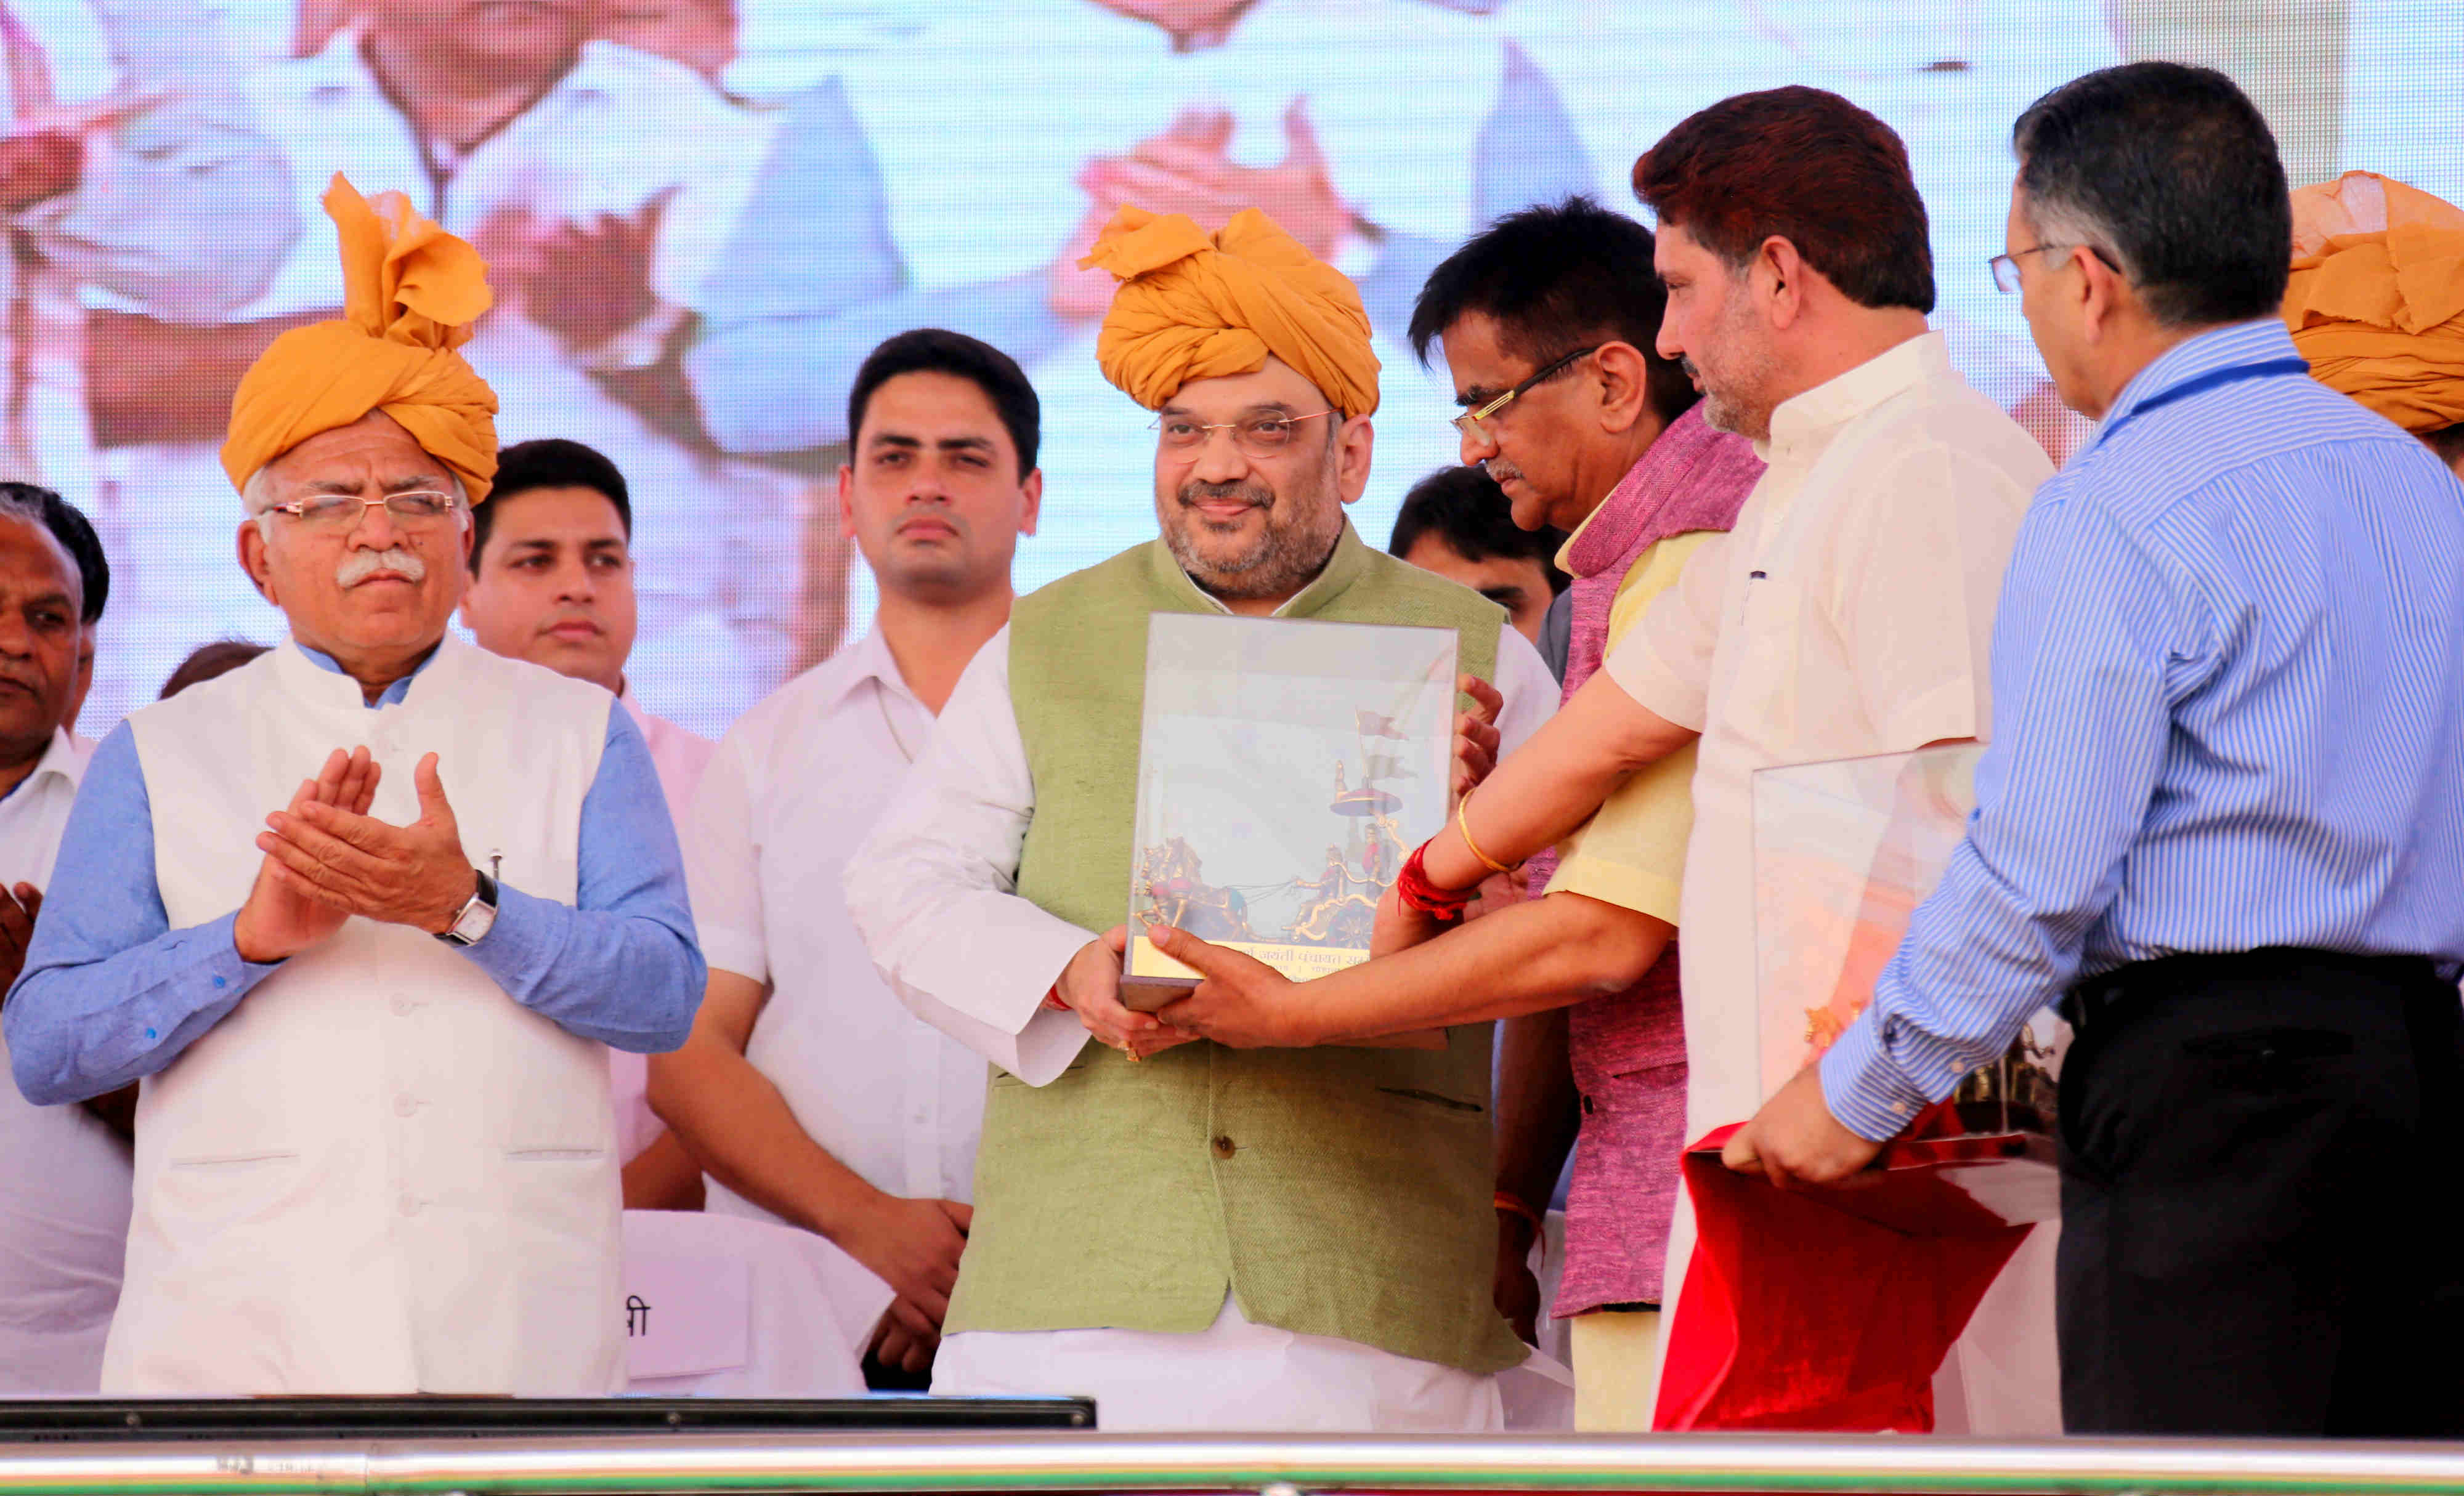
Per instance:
x=2006, y=267
x=1475, y=423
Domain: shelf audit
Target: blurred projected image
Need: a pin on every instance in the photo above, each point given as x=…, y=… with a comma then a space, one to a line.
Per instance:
x=701, y=214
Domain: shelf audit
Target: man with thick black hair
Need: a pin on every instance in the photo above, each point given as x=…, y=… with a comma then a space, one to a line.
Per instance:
x=2222, y=818
x=552, y=582
x=74, y=532
x=806, y=1092
x=1550, y=320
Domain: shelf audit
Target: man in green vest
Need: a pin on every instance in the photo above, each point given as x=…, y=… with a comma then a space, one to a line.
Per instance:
x=1201, y=1238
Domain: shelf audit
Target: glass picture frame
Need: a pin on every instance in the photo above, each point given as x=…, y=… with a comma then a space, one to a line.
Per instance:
x=1285, y=769
x=1844, y=851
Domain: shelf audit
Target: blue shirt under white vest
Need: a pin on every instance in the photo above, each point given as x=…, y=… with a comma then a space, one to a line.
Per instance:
x=385, y=1165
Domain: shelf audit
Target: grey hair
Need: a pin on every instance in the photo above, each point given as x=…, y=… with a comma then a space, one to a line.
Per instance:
x=24, y=510
x=257, y=496
x=2172, y=173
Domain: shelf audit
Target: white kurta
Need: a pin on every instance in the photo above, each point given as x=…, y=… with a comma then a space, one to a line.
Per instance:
x=932, y=891
x=679, y=754
x=798, y=783
x=63, y=1175
x=1850, y=612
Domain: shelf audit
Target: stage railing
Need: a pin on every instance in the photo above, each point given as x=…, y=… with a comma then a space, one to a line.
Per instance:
x=1286, y=1464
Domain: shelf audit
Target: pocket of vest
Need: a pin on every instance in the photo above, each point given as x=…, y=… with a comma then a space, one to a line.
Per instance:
x=553, y=1154
x=1431, y=1098
x=225, y=1163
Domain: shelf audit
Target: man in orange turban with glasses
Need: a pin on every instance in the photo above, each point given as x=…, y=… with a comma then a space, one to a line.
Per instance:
x=375, y=1149
x=2376, y=302
x=1202, y=1238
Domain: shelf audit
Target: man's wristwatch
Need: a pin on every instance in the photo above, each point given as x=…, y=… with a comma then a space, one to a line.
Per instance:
x=478, y=917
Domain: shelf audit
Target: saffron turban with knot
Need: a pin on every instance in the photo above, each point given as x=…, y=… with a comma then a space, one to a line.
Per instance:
x=410, y=293
x=2376, y=302
x=1190, y=305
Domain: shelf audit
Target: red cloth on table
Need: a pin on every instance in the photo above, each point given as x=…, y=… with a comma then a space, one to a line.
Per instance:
x=1799, y=1316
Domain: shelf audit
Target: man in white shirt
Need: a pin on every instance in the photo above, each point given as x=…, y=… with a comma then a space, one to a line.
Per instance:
x=63, y=1173
x=596, y=179
x=1850, y=610
x=807, y=1092
x=132, y=174
x=1294, y=1238
x=552, y=583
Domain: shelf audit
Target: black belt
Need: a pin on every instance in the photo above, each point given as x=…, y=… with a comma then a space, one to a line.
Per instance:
x=2103, y=998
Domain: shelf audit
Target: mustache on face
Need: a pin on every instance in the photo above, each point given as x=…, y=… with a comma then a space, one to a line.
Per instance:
x=1257, y=495
x=360, y=565
x=1500, y=470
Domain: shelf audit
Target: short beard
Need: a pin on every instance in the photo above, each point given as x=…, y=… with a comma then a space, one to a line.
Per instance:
x=1287, y=555
x=1740, y=401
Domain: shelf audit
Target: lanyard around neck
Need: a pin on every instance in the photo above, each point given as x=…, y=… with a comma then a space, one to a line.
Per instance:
x=2214, y=379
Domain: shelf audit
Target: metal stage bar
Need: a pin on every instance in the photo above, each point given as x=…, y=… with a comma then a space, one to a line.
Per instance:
x=1285, y=1464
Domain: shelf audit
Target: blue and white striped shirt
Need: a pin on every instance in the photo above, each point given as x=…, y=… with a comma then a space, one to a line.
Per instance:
x=2227, y=713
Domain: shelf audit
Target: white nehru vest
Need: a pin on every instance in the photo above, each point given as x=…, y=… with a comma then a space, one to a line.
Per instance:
x=378, y=1174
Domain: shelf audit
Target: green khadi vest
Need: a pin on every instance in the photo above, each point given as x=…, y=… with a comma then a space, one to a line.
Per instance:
x=1338, y=1191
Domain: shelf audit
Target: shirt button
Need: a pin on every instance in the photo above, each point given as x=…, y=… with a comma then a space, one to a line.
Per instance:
x=1224, y=1148
x=410, y=1205
x=1901, y=1108
x=404, y=1106
x=402, y=1007
x=220, y=983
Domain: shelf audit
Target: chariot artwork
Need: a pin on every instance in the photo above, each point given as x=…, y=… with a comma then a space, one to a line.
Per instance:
x=1285, y=770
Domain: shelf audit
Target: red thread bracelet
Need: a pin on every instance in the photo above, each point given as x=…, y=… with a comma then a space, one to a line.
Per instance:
x=1413, y=887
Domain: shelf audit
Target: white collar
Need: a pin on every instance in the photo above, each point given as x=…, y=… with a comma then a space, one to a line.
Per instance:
x=66, y=756
x=342, y=65
x=1813, y=417
x=859, y=660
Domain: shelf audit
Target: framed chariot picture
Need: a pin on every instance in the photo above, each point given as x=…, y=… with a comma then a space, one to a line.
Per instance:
x=1285, y=769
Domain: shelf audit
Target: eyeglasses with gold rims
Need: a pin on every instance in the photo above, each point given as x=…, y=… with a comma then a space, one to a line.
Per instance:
x=1476, y=424
x=413, y=507
x=2006, y=267
x=1255, y=435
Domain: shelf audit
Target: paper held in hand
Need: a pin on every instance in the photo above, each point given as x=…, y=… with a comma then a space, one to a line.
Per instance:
x=1285, y=769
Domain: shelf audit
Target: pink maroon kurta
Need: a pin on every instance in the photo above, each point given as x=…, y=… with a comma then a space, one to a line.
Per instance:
x=1629, y=1050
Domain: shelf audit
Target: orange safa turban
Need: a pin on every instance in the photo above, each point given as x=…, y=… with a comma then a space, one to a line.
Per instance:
x=2376, y=302
x=410, y=293
x=1194, y=307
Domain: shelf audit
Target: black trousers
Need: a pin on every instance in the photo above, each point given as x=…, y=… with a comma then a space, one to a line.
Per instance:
x=2260, y=1199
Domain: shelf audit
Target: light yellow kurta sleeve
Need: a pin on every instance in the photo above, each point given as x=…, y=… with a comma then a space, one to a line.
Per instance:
x=1632, y=852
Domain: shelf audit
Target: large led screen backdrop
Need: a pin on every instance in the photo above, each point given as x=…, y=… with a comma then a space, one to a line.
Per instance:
x=704, y=213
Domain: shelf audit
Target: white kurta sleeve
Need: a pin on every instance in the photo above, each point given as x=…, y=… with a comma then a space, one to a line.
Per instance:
x=723, y=865
x=1531, y=691
x=935, y=889
x=1664, y=660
